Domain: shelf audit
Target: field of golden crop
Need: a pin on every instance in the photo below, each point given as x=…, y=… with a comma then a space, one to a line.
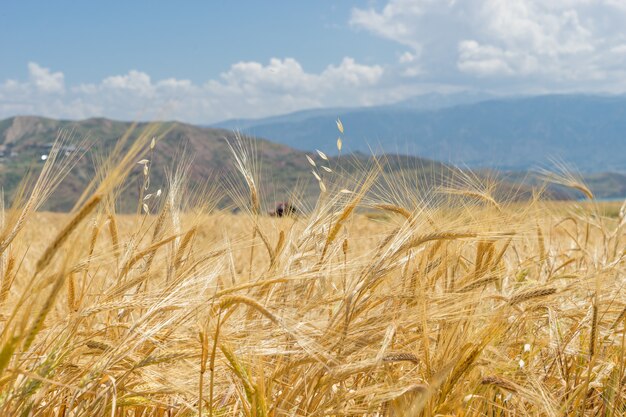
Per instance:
x=378, y=301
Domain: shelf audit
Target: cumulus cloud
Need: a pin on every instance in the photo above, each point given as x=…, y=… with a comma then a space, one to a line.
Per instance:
x=556, y=43
x=484, y=60
x=135, y=81
x=247, y=89
x=395, y=21
x=45, y=81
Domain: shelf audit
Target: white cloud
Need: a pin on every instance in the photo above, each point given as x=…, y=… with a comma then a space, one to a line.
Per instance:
x=407, y=57
x=484, y=60
x=44, y=80
x=135, y=81
x=555, y=44
x=247, y=89
x=395, y=21
x=410, y=65
x=351, y=73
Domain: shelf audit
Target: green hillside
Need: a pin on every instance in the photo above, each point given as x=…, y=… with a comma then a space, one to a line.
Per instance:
x=285, y=173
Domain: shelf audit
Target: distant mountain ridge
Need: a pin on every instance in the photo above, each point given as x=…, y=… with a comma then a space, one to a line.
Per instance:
x=586, y=131
x=24, y=140
x=430, y=101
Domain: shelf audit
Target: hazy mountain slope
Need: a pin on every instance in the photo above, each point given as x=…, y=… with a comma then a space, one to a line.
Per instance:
x=436, y=101
x=586, y=131
x=424, y=102
x=283, y=170
x=23, y=140
x=607, y=184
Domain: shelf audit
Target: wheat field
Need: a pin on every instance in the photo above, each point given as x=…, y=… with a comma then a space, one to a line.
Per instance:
x=381, y=299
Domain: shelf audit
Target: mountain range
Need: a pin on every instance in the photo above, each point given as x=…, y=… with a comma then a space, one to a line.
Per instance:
x=25, y=142
x=588, y=132
x=532, y=128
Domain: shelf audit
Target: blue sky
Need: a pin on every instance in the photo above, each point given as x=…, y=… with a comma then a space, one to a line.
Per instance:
x=204, y=61
x=194, y=40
